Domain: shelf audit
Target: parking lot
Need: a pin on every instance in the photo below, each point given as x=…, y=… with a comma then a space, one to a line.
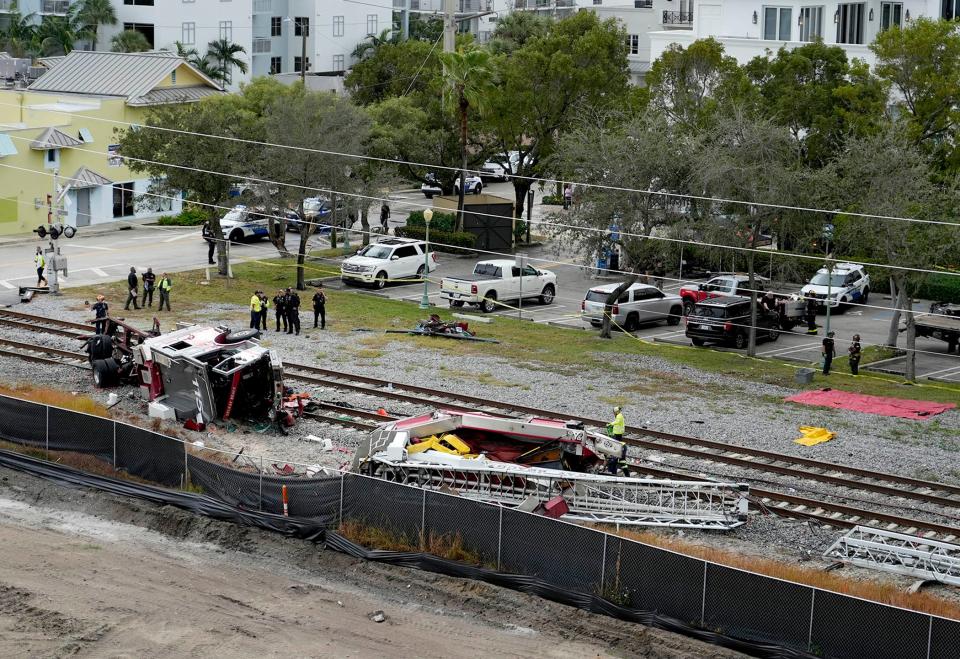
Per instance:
x=573, y=281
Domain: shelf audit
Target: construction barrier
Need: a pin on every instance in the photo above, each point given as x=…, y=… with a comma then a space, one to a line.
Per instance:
x=583, y=567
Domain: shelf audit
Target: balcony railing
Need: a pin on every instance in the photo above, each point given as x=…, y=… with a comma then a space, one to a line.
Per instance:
x=677, y=17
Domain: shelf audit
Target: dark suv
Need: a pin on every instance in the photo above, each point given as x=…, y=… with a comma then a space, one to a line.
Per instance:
x=727, y=320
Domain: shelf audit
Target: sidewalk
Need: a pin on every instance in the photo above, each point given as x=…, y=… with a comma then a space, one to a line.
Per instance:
x=98, y=229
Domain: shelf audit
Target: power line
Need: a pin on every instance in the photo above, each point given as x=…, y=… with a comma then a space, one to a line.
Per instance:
x=532, y=179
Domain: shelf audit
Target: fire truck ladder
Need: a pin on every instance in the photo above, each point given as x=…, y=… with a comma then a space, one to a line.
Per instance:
x=898, y=552
x=590, y=497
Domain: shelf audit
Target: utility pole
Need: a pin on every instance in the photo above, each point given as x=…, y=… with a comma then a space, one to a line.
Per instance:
x=405, y=21
x=303, y=56
x=449, y=26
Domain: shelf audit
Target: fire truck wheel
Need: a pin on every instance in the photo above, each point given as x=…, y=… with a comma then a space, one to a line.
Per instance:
x=241, y=335
x=104, y=373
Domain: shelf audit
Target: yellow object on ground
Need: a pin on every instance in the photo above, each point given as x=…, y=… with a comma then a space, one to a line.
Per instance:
x=813, y=435
x=448, y=443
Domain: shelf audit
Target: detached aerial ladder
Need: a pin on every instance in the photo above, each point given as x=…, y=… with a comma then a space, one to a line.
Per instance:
x=598, y=498
x=912, y=555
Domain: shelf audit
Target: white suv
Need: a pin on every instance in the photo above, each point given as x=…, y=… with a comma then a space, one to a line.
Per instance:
x=387, y=260
x=848, y=283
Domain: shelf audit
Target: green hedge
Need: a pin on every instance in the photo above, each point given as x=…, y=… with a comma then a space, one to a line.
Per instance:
x=460, y=240
x=552, y=200
x=440, y=222
x=189, y=217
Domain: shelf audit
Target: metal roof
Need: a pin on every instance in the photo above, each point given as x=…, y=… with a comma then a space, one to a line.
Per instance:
x=50, y=62
x=51, y=138
x=87, y=178
x=162, y=95
x=127, y=75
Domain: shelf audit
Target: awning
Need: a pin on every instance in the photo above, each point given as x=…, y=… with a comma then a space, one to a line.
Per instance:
x=87, y=178
x=52, y=138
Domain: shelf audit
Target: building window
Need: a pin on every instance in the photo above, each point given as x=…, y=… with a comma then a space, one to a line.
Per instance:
x=301, y=26
x=338, y=63
x=276, y=26
x=146, y=29
x=261, y=46
x=226, y=30
x=949, y=9
x=891, y=15
x=262, y=6
x=633, y=44
x=188, y=34
x=296, y=64
x=123, y=199
x=598, y=2
x=276, y=65
x=173, y=77
x=811, y=23
x=338, y=26
x=371, y=24
x=850, y=23
x=52, y=159
x=141, y=3
x=777, y=23
x=188, y=1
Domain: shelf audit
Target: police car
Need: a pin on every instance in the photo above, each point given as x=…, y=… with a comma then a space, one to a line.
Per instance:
x=848, y=283
x=242, y=223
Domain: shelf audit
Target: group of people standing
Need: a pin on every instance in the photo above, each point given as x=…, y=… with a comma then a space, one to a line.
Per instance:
x=150, y=284
x=286, y=305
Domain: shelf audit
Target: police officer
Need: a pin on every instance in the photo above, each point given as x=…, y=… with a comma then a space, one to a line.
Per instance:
x=293, y=311
x=811, y=315
x=280, y=309
x=148, y=282
x=164, y=287
x=100, y=310
x=255, y=305
x=828, y=351
x=855, y=353
x=132, y=282
x=385, y=218
x=320, y=307
x=264, y=310
x=40, y=263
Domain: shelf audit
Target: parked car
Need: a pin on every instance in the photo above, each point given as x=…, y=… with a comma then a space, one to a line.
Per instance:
x=847, y=283
x=321, y=205
x=721, y=286
x=241, y=223
x=641, y=303
x=499, y=279
x=726, y=320
x=432, y=187
x=388, y=260
x=495, y=170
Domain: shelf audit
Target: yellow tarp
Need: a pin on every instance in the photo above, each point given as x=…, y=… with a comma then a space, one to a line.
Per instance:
x=813, y=435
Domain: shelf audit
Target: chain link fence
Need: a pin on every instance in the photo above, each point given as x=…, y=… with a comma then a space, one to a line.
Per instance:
x=658, y=582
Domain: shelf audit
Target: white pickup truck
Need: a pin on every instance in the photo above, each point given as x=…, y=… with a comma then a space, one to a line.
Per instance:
x=499, y=280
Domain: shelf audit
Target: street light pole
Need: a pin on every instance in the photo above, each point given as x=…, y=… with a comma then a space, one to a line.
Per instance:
x=425, y=302
x=303, y=56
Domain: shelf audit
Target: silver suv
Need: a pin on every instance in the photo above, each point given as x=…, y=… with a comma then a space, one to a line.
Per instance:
x=388, y=260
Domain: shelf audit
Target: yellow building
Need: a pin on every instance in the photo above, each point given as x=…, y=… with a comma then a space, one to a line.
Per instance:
x=57, y=137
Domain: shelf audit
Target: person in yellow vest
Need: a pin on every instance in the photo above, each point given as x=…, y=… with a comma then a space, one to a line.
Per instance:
x=164, y=287
x=616, y=430
x=40, y=263
x=255, y=306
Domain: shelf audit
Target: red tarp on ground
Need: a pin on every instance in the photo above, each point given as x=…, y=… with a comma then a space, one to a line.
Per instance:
x=845, y=400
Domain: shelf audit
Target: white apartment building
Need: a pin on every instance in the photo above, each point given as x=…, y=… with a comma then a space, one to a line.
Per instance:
x=273, y=32
x=748, y=28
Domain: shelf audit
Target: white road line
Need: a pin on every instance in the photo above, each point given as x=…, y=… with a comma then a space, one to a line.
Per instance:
x=191, y=234
x=777, y=352
x=943, y=370
x=99, y=272
x=6, y=284
x=104, y=249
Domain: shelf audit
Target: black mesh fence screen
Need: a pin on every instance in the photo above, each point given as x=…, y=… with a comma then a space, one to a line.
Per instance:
x=316, y=498
x=656, y=580
x=476, y=524
x=23, y=422
x=150, y=456
x=757, y=608
x=398, y=509
x=848, y=627
x=944, y=639
x=562, y=554
x=81, y=433
x=237, y=488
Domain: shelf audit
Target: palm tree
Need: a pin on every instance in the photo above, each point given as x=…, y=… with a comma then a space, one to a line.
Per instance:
x=56, y=35
x=367, y=48
x=468, y=74
x=226, y=54
x=129, y=41
x=18, y=38
x=93, y=14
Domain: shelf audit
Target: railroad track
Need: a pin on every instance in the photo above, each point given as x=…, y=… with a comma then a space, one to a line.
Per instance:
x=899, y=488
x=42, y=354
